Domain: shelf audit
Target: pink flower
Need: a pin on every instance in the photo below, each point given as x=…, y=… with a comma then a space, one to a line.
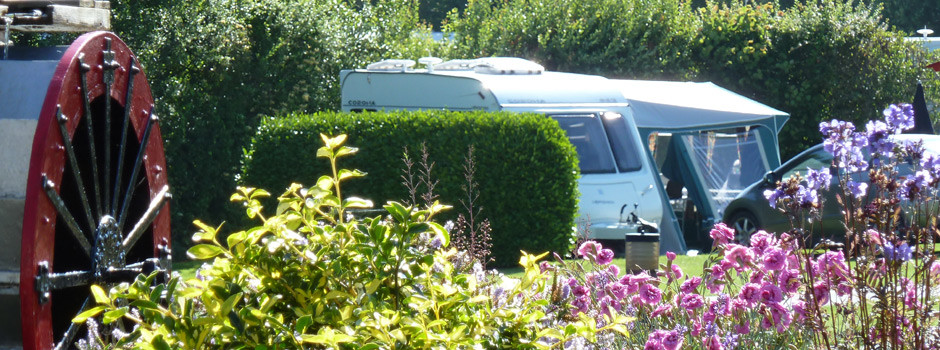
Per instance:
x=935, y=269
x=738, y=256
x=650, y=294
x=690, y=284
x=670, y=256
x=589, y=248
x=663, y=309
x=781, y=317
x=743, y=328
x=617, y=290
x=789, y=280
x=750, y=293
x=721, y=234
x=770, y=294
x=761, y=240
x=607, y=303
x=604, y=257
x=821, y=291
x=580, y=305
x=613, y=270
x=713, y=343
x=580, y=291
x=677, y=271
x=775, y=259
x=874, y=237
x=672, y=340
x=799, y=311
x=738, y=305
x=655, y=340
x=717, y=271
x=831, y=265
x=692, y=301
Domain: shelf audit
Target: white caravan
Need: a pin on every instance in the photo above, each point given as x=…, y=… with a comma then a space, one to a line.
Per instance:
x=617, y=177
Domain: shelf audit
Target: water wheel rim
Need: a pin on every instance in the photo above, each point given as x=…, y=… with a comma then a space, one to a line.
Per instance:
x=66, y=98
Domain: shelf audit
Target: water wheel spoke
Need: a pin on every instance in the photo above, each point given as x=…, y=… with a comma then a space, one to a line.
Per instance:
x=91, y=132
x=127, y=115
x=73, y=164
x=136, y=169
x=72, y=331
x=109, y=65
x=155, y=205
x=63, y=280
x=61, y=209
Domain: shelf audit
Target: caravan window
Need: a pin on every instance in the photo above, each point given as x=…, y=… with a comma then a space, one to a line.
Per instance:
x=622, y=142
x=587, y=135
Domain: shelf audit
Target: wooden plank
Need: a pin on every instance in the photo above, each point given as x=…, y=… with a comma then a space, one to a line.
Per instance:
x=70, y=19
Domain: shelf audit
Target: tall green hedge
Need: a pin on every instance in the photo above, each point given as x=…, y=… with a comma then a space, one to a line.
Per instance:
x=526, y=169
x=216, y=66
x=816, y=59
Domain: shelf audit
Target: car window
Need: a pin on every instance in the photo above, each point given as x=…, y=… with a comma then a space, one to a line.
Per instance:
x=816, y=160
x=587, y=135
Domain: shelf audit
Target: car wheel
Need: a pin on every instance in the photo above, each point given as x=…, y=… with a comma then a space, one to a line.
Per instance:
x=744, y=224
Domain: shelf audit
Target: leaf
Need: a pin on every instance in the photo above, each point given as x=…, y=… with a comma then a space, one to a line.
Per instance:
x=344, y=174
x=324, y=152
x=398, y=211
x=355, y=202
x=259, y=193
x=343, y=151
x=325, y=183
x=84, y=315
x=441, y=232
x=145, y=305
x=204, y=251
x=159, y=343
x=113, y=315
x=206, y=233
x=236, y=238
x=101, y=297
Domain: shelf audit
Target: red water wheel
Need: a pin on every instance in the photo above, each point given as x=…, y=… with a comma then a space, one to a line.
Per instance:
x=96, y=208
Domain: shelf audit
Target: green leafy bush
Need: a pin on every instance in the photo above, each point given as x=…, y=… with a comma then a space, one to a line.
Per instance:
x=307, y=277
x=526, y=169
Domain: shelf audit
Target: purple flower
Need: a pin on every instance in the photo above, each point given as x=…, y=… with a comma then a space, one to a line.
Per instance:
x=902, y=252
x=878, y=142
x=817, y=180
x=773, y=195
x=808, y=197
x=899, y=117
x=858, y=189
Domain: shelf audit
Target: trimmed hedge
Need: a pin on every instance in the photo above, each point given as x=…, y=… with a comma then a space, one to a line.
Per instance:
x=526, y=169
x=817, y=59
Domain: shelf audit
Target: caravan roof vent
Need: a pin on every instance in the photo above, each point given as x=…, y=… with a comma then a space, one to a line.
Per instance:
x=507, y=65
x=391, y=65
x=454, y=65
